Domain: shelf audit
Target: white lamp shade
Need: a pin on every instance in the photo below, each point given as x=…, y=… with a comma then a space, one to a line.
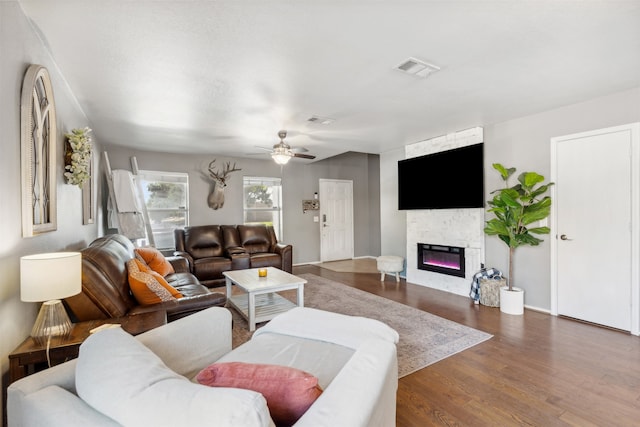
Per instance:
x=50, y=276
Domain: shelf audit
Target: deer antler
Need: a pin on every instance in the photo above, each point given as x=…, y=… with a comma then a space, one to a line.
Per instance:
x=225, y=171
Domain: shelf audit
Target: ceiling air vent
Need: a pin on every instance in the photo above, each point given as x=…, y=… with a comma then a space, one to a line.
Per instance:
x=417, y=67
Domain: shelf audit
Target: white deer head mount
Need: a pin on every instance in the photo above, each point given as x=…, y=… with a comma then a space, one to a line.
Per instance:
x=216, y=197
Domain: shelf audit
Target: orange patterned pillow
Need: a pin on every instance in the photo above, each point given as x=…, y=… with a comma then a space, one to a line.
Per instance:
x=149, y=287
x=155, y=260
x=289, y=391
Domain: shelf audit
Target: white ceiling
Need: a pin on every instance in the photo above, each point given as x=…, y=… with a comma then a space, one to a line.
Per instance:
x=223, y=77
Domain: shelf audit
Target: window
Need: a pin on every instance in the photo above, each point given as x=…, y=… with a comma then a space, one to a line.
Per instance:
x=263, y=202
x=166, y=195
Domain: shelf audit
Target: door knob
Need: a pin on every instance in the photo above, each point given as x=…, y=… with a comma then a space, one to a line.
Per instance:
x=564, y=237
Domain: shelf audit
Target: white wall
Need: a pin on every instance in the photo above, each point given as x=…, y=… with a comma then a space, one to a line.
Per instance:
x=522, y=143
x=20, y=47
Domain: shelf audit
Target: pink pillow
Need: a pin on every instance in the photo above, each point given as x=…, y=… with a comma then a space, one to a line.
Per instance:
x=289, y=392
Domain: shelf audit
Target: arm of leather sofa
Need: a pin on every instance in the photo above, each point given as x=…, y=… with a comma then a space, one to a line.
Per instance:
x=235, y=250
x=185, y=306
x=186, y=256
x=240, y=260
x=180, y=263
x=286, y=254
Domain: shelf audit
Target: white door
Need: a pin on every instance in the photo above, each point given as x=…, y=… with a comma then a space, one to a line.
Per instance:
x=595, y=254
x=336, y=219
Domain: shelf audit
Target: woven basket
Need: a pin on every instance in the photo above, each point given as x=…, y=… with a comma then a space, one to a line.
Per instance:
x=490, y=291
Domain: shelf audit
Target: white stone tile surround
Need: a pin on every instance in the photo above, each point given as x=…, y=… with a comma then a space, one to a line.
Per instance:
x=451, y=227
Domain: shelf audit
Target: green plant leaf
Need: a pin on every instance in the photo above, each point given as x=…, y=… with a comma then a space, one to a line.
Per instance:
x=530, y=179
x=504, y=172
x=510, y=198
x=495, y=226
x=540, y=230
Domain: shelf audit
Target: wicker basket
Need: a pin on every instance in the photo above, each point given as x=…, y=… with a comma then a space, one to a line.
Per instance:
x=490, y=291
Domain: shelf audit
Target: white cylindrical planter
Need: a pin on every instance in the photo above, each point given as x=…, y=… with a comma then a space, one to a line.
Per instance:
x=512, y=302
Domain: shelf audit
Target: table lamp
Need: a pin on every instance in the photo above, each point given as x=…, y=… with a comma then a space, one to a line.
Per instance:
x=50, y=277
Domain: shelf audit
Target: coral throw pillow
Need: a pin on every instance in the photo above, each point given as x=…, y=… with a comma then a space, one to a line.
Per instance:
x=289, y=392
x=155, y=260
x=148, y=287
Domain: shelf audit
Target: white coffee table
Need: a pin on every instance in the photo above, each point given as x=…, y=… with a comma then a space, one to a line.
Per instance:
x=260, y=302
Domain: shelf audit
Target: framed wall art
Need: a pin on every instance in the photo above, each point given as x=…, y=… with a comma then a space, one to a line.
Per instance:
x=38, y=135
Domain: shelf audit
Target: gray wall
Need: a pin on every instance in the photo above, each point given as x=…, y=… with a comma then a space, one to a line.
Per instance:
x=299, y=182
x=522, y=143
x=525, y=144
x=19, y=48
x=393, y=221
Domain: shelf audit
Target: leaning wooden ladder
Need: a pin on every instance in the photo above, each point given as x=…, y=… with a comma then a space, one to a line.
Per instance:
x=112, y=196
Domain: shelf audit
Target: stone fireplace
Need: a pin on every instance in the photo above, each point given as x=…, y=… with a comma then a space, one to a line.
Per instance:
x=457, y=228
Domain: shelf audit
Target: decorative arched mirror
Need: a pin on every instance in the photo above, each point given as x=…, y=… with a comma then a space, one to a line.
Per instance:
x=38, y=153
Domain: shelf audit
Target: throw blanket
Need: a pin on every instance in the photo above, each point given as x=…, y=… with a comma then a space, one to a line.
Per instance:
x=125, y=192
x=320, y=325
x=485, y=273
x=126, y=216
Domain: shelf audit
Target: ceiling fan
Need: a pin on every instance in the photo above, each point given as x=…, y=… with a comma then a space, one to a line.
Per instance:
x=282, y=152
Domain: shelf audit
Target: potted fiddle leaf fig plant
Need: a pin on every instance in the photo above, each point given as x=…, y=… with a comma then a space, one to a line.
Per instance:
x=516, y=210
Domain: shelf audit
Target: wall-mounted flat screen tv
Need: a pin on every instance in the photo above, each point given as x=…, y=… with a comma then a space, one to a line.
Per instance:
x=445, y=180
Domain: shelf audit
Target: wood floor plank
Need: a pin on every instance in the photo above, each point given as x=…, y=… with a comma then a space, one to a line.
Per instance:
x=537, y=370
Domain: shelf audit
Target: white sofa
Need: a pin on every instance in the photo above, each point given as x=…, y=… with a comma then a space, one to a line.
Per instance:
x=117, y=381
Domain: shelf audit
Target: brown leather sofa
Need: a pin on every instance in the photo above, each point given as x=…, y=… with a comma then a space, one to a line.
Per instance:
x=213, y=249
x=105, y=285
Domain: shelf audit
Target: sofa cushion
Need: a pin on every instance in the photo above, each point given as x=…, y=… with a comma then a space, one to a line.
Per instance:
x=289, y=391
x=121, y=378
x=149, y=287
x=155, y=260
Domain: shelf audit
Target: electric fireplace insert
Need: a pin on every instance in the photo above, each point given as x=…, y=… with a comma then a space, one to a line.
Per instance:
x=441, y=259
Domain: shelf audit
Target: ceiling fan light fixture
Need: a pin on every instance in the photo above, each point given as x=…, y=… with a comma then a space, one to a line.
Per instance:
x=281, y=159
x=281, y=155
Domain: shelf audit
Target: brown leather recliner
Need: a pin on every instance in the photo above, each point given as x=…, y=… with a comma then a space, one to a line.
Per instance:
x=213, y=249
x=203, y=247
x=105, y=285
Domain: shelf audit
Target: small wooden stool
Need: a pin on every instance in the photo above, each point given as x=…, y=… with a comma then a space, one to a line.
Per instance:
x=390, y=264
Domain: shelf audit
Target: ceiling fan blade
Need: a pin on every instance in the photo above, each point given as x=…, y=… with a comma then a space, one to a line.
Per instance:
x=303, y=156
x=264, y=148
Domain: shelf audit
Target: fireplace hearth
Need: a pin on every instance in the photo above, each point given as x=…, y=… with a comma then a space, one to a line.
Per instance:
x=441, y=259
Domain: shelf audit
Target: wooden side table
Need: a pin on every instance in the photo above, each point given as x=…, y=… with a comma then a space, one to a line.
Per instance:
x=30, y=357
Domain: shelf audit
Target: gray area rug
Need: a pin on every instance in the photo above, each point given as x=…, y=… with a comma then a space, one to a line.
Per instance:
x=424, y=338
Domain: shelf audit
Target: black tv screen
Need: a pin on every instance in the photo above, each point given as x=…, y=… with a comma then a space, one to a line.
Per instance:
x=445, y=180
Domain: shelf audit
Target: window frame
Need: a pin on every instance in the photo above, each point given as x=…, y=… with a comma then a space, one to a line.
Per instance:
x=275, y=182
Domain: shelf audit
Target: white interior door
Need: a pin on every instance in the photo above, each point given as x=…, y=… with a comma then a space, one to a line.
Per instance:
x=336, y=219
x=594, y=248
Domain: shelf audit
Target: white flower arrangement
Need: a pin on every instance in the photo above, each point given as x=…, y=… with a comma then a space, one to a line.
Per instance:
x=78, y=157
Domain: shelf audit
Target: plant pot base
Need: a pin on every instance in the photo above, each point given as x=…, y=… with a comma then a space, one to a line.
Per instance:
x=512, y=302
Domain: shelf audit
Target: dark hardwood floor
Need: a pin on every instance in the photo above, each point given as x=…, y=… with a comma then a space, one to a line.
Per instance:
x=537, y=370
